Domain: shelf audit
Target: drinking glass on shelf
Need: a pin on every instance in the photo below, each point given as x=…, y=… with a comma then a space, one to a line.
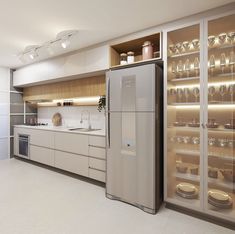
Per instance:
x=231, y=90
x=222, y=62
x=173, y=67
x=222, y=143
x=196, y=66
x=222, y=38
x=211, y=40
x=186, y=139
x=187, y=67
x=222, y=91
x=212, y=63
x=172, y=92
x=211, y=143
x=179, y=92
x=231, y=61
x=180, y=68
x=211, y=92
x=186, y=93
x=196, y=93
x=196, y=141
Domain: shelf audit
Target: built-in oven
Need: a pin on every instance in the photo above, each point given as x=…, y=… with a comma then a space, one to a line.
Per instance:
x=23, y=145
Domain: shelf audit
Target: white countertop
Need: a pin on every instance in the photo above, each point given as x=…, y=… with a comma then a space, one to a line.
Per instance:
x=63, y=129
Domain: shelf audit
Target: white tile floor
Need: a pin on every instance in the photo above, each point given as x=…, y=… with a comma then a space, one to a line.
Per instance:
x=34, y=200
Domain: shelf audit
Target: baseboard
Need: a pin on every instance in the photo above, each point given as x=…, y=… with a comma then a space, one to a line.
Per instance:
x=203, y=216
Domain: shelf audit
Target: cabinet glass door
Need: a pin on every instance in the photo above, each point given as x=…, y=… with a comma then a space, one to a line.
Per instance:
x=183, y=116
x=221, y=118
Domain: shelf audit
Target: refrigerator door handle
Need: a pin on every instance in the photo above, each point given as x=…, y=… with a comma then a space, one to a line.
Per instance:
x=107, y=113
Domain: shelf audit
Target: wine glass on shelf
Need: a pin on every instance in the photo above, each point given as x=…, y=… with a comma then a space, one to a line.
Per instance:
x=211, y=41
x=179, y=47
x=231, y=90
x=196, y=66
x=211, y=92
x=222, y=62
x=179, y=92
x=186, y=93
x=172, y=49
x=222, y=38
x=187, y=67
x=180, y=68
x=196, y=93
x=212, y=64
x=231, y=61
x=186, y=45
x=222, y=91
x=211, y=143
x=196, y=44
x=231, y=37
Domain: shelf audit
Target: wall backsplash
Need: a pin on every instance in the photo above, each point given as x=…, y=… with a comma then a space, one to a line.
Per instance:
x=72, y=115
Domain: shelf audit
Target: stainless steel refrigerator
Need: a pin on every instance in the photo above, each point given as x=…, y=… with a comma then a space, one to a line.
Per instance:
x=134, y=136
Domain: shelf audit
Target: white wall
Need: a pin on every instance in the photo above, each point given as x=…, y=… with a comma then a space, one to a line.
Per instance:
x=4, y=113
x=72, y=116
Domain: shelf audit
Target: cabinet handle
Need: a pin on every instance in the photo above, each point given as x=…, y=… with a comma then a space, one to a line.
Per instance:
x=203, y=125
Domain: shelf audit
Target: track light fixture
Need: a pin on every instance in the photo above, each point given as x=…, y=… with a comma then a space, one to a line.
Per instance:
x=64, y=38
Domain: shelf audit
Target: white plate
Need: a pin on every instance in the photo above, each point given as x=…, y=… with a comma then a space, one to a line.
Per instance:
x=186, y=187
x=218, y=195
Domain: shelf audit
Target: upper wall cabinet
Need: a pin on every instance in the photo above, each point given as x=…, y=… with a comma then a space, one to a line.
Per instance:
x=80, y=65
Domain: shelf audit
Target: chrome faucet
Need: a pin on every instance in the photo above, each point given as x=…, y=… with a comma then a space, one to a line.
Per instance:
x=89, y=118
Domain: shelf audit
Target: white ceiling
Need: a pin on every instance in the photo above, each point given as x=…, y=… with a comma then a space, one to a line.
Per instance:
x=29, y=22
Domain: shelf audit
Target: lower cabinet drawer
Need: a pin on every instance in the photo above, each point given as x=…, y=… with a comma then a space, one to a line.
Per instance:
x=42, y=155
x=97, y=164
x=97, y=175
x=97, y=152
x=71, y=162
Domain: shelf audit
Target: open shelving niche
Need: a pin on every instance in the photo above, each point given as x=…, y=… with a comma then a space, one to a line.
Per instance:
x=136, y=47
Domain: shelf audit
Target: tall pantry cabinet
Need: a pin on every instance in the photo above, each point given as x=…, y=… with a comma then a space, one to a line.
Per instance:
x=199, y=113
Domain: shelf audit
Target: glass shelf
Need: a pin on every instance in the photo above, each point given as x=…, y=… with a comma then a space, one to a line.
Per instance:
x=230, y=186
x=196, y=153
x=185, y=79
x=183, y=54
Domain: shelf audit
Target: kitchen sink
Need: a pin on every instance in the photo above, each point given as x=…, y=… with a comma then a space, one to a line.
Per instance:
x=84, y=129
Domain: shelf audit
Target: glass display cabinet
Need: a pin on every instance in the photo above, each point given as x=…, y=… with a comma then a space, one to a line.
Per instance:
x=199, y=117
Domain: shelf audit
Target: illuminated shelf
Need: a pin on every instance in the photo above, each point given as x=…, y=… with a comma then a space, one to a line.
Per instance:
x=184, y=54
x=219, y=47
x=195, y=129
x=197, y=153
x=184, y=79
x=184, y=104
x=184, y=128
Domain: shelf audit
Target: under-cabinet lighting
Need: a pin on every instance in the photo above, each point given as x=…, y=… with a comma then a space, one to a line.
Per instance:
x=227, y=83
x=188, y=107
x=214, y=106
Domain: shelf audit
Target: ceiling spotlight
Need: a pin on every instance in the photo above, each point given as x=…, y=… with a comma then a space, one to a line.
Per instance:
x=65, y=42
x=33, y=54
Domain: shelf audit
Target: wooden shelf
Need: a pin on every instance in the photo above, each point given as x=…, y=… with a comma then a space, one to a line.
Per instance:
x=136, y=47
x=136, y=63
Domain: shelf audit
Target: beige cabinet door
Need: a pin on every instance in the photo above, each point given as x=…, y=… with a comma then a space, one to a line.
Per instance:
x=98, y=141
x=73, y=143
x=42, y=155
x=71, y=162
x=42, y=138
x=98, y=164
x=97, y=175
